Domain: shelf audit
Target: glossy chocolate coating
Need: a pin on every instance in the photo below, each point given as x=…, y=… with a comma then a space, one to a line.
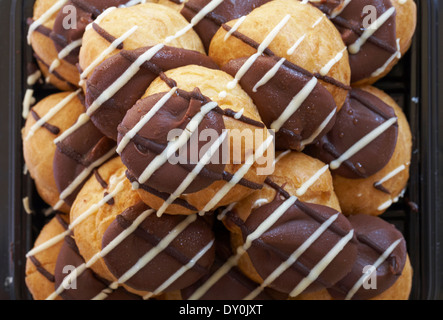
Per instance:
x=274, y=97
x=87, y=284
x=168, y=261
x=375, y=236
x=288, y=233
x=226, y=11
x=111, y=113
x=153, y=138
x=233, y=285
x=361, y=114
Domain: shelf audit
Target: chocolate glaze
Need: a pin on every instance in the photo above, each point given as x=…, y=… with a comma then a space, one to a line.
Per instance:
x=379, y=47
x=176, y=113
x=361, y=114
x=111, y=113
x=272, y=99
x=75, y=153
x=233, y=285
x=228, y=10
x=151, y=231
x=291, y=230
x=88, y=284
x=375, y=235
x=85, y=13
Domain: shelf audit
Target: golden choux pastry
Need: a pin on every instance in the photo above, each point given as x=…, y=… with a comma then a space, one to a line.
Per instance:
x=234, y=123
x=47, y=120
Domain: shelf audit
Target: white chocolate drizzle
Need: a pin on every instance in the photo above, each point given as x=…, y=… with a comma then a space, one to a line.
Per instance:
x=296, y=102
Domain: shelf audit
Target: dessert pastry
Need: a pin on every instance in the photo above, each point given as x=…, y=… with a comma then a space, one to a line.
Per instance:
x=369, y=151
x=292, y=63
x=49, y=119
x=224, y=118
x=273, y=223
x=112, y=221
x=382, y=270
x=107, y=110
x=377, y=33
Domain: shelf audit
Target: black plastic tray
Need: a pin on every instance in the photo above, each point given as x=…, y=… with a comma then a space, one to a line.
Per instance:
x=415, y=84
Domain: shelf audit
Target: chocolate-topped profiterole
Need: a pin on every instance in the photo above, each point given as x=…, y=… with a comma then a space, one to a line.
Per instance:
x=363, y=115
x=152, y=140
x=84, y=13
x=352, y=18
x=80, y=152
x=224, y=12
x=87, y=285
x=290, y=235
x=164, y=260
x=109, y=114
x=380, y=245
x=311, y=120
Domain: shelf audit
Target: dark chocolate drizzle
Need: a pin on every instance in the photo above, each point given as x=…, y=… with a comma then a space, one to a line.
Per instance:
x=88, y=283
x=106, y=35
x=268, y=52
x=42, y=270
x=51, y=128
